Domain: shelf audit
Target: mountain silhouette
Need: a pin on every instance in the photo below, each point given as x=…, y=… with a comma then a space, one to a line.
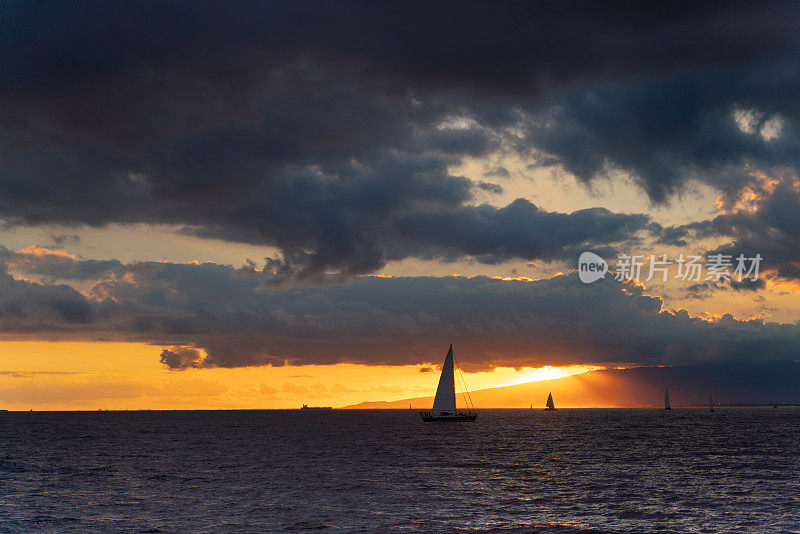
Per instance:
x=736, y=383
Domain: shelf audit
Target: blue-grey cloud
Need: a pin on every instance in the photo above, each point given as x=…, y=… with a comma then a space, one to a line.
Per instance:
x=55, y=265
x=316, y=128
x=761, y=220
x=214, y=315
x=519, y=230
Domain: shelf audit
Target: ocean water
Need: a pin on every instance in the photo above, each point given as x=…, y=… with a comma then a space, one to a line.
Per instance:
x=626, y=470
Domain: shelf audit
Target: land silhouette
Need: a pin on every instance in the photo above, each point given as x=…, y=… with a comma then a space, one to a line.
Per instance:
x=776, y=382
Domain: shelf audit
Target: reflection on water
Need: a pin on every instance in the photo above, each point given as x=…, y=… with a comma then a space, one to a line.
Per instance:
x=627, y=470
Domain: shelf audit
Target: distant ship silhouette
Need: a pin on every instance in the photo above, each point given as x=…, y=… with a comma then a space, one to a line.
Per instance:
x=444, y=404
x=305, y=407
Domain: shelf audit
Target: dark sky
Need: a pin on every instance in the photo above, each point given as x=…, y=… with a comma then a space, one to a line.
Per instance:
x=331, y=131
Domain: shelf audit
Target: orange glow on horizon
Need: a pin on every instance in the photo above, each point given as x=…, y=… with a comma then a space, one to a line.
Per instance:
x=548, y=372
x=43, y=375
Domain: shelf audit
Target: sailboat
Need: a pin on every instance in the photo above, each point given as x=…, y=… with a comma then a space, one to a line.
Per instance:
x=550, y=405
x=666, y=399
x=444, y=404
x=710, y=403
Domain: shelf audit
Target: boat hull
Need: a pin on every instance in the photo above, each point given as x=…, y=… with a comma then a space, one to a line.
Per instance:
x=428, y=417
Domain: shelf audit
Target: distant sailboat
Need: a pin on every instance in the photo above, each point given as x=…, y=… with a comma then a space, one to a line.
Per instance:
x=550, y=405
x=666, y=399
x=710, y=403
x=444, y=404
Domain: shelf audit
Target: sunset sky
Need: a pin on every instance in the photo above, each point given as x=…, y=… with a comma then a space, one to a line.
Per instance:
x=260, y=205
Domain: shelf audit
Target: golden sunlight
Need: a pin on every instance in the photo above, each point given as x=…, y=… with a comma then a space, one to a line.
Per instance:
x=536, y=374
x=104, y=375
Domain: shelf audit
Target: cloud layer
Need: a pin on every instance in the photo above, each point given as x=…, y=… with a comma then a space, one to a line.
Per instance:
x=332, y=132
x=214, y=315
x=329, y=131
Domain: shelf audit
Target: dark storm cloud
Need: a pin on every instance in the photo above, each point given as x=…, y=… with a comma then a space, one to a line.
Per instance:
x=30, y=307
x=55, y=265
x=673, y=235
x=704, y=290
x=181, y=358
x=213, y=315
x=763, y=219
x=317, y=127
x=519, y=230
x=748, y=284
x=489, y=187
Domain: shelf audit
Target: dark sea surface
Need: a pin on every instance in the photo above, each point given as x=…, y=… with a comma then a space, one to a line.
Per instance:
x=620, y=470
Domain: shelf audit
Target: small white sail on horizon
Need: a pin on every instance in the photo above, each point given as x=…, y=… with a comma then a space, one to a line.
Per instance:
x=666, y=399
x=444, y=403
x=550, y=405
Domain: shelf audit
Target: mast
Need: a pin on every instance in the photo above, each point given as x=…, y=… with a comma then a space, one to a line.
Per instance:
x=666, y=399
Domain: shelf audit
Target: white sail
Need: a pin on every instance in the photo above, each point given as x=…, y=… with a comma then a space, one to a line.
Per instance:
x=550, y=402
x=666, y=399
x=445, y=400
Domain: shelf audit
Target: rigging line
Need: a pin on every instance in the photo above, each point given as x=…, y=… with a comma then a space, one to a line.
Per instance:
x=464, y=391
x=461, y=375
x=465, y=394
x=469, y=396
x=472, y=404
